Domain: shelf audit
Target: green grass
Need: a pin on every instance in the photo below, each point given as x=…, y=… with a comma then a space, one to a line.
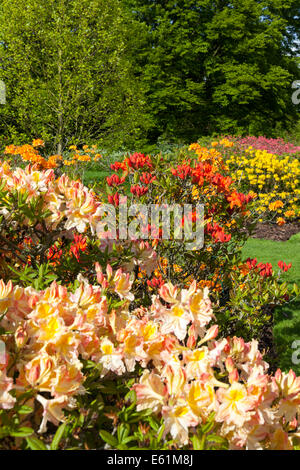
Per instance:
x=95, y=176
x=287, y=318
x=273, y=251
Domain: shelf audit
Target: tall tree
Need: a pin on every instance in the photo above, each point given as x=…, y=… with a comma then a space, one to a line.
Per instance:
x=67, y=69
x=217, y=65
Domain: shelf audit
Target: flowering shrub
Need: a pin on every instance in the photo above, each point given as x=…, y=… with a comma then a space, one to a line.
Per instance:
x=121, y=360
x=63, y=348
x=265, y=170
x=256, y=289
x=275, y=180
x=74, y=162
x=201, y=175
x=41, y=217
x=274, y=146
x=49, y=226
x=197, y=177
x=31, y=154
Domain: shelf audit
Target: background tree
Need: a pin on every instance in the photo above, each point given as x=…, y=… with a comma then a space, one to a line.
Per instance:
x=67, y=69
x=217, y=66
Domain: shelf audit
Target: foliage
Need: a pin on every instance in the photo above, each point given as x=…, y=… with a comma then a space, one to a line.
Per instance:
x=275, y=180
x=286, y=326
x=217, y=66
x=272, y=178
x=74, y=75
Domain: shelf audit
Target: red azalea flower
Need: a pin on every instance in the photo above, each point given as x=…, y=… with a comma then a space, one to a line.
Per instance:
x=265, y=270
x=251, y=263
x=217, y=233
x=54, y=254
x=283, y=266
x=182, y=171
x=138, y=190
x=78, y=245
x=138, y=160
x=114, y=199
x=155, y=282
x=147, y=178
x=118, y=166
x=115, y=180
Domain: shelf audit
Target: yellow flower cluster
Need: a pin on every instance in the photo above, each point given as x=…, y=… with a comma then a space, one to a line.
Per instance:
x=276, y=180
x=223, y=142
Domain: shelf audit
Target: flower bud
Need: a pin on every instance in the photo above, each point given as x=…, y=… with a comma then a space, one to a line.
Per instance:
x=21, y=337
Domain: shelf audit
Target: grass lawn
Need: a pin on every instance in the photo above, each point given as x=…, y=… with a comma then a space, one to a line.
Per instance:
x=287, y=318
x=93, y=176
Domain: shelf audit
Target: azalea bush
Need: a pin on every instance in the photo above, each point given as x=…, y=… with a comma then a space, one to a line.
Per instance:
x=256, y=290
x=129, y=378
x=50, y=229
x=195, y=176
x=201, y=175
x=42, y=222
x=275, y=146
x=136, y=343
x=73, y=162
x=269, y=169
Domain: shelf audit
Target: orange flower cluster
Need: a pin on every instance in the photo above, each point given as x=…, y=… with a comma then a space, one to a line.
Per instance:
x=161, y=273
x=212, y=156
x=82, y=157
x=29, y=153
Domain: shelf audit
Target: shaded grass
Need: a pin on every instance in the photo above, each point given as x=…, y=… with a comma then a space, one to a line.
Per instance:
x=286, y=318
x=95, y=176
x=286, y=331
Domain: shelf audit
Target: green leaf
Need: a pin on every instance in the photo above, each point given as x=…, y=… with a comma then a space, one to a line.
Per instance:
x=207, y=427
x=22, y=432
x=196, y=443
x=215, y=438
x=160, y=433
x=35, y=444
x=58, y=436
x=123, y=431
x=24, y=410
x=108, y=438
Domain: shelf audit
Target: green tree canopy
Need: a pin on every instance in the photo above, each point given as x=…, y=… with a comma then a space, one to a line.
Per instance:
x=68, y=74
x=216, y=65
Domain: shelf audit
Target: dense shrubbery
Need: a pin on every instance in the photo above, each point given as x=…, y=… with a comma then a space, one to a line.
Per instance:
x=68, y=353
x=132, y=360
x=270, y=169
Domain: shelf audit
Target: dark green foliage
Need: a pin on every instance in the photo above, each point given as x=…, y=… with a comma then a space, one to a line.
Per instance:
x=126, y=72
x=217, y=66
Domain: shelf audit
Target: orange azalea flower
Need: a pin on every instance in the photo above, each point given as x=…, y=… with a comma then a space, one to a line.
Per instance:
x=38, y=143
x=280, y=221
x=273, y=206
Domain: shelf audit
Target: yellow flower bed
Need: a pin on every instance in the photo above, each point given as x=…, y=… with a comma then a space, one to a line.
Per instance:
x=275, y=179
